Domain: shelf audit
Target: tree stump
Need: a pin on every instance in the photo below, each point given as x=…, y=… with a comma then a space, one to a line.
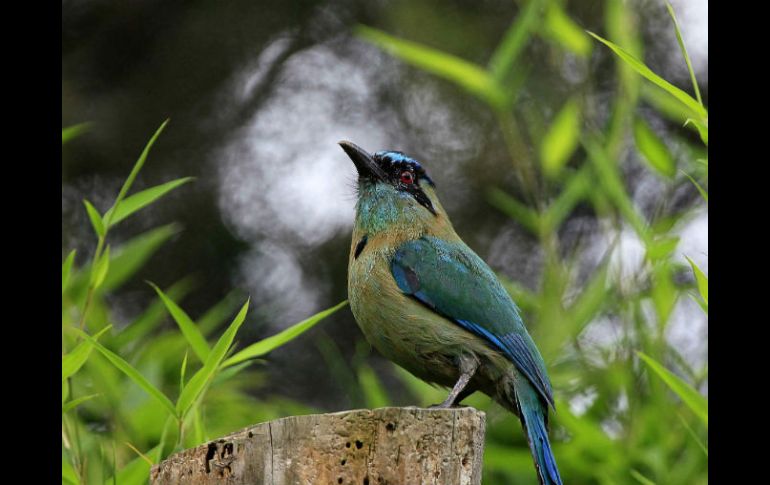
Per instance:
x=396, y=446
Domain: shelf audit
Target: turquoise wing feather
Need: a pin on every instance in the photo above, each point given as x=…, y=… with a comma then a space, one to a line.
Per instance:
x=456, y=283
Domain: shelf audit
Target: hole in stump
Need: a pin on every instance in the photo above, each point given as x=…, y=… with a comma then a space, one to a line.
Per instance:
x=390, y=427
x=359, y=444
x=366, y=480
x=343, y=462
x=251, y=435
x=347, y=445
x=339, y=480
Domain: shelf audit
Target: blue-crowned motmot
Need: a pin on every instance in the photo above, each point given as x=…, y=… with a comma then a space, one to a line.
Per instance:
x=427, y=302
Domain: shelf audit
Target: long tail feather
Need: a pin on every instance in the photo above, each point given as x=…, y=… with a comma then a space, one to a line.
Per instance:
x=533, y=418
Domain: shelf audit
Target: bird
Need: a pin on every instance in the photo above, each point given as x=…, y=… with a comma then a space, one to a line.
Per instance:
x=427, y=302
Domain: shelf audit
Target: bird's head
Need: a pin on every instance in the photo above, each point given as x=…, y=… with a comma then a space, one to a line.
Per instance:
x=394, y=190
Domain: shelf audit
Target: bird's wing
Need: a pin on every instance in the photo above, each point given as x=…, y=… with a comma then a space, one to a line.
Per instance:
x=450, y=279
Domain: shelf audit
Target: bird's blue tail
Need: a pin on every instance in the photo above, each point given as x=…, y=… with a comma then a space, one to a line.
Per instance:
x=533, y=416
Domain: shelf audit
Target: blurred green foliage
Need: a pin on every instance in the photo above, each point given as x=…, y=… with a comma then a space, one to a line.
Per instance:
x=643, y=422
x=118, y=416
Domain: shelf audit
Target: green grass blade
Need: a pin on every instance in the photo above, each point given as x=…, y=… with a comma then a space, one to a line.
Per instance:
x=692, y=398
x=504, y=57
x=130, y=372
x=264, y=346
x=645, y=71
x=74, y=360
x=76, y=402
x=73, y=131
x=703, y=193
x=471, y=77
x=703, y=129
x=95, y=217
x=101, y=269
x=653, y=150
x=140, y=200
x=701, y=279
x=182, y=371
x=198, y=383
x=134, y=172
x=66, y=269
x=137, y=470
x=186, y=325
x=561, y=140
x=558, y=26
x=684, y=53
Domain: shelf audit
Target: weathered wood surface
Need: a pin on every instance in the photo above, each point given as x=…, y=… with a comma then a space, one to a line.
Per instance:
x=386, y=446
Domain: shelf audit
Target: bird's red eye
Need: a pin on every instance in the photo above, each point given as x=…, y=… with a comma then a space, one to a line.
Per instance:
x=407, y=177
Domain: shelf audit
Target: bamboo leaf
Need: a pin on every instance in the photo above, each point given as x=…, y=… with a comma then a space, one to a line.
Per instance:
x=504, y=57
x=130, y=372
x=198, y=383
x=692, y=398
x=264, y=346
x=515, y=209
x=76, y=402
x=66, y=269
x=95, y=217
x=374, y=392
x=654, y=151
x=684, y=53
x=73, y=131
x=101, y=269
x=560, y=27
x=138, y=201
x=702, y=192
x=471, y=77
x=186, y=325
x=701, y=279
x=561, y=139
x=74, y=360
x=134, y=172
x=645, y=71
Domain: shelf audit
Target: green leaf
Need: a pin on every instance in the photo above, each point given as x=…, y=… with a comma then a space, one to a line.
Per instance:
x=702, y=127
x=515, y=209
x=131, y=256
x=701, y=279
x=641, y=478
x=134, y=172
x=142, y=199
x=653, y=149
x=264, y=346
x=68, y=473
x=645, y=71
x=504, y=58
x=186, y=325
x=130, y=372
x=74, y=360
x=182, y=371
x=471, y=77
x=692, y=398
x=662, y=248
x=137, y=470
x=73, y=131
x=694, y=436
x=561, y=139
x=703, y=193
x=576, y=189
x=374, y=392
x=66, y=269
x=101, y=269
x=684, y=53
x=76, y=402
x=560, y=27
x=198, y=383
x=95, y=217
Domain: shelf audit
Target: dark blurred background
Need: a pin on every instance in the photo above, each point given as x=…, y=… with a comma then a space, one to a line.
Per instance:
x=259, y=93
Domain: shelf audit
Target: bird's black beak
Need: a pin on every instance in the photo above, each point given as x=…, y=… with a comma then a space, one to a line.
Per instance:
x=364, y=162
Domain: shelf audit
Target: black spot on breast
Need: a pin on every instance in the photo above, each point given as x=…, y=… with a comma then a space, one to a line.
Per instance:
x=360, y=247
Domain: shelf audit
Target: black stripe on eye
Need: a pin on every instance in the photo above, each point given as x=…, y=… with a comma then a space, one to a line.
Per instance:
x=359, y=247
